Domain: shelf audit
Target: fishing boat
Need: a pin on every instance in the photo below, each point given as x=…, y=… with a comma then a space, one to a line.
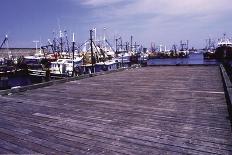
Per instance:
x=64, y=67
x=224, y=48
x=209, y=54
x=222, y=51
x=162, y=53
x=143, y=54
x=35, y=61
x=184, y=51
x=209, y=50
x=124, y=57
x=106, y=66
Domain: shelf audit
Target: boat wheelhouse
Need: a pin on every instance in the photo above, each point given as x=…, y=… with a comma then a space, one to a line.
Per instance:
x=64, y=67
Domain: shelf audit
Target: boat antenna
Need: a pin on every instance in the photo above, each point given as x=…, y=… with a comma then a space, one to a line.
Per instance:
x=36, y=44
x=61, y=42
x=40, y=42
x=104, y=38
x=131, y=43
x=66, y=38
x=95, y=34
x=58, y=23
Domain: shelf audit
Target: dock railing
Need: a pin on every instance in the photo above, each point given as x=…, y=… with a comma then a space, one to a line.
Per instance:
x=228, y=89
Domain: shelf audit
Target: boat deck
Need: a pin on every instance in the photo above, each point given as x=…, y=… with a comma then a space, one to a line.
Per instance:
x=152, y=110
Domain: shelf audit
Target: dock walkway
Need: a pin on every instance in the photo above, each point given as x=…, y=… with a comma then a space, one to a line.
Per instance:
x=153, y=110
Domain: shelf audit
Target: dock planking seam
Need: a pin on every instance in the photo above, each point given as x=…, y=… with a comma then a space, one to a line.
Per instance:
x=47, y=104
x=142, y=143
x=67, y=116
x=110, y=120
x=5, y=151
x=87, y=143
x=69, y=95
x=150, y=141
x=116, y=111
x=102, y=106
x=86, y=129
x=156, y=116
x=14, y=148
x=85, y=121
x=33, y=143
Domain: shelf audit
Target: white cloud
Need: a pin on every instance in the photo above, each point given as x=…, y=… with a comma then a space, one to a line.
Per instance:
x=175, y=7
x=170, y=19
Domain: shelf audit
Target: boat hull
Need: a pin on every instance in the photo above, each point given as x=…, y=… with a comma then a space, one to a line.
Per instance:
x=223, y=52
x=209, y=55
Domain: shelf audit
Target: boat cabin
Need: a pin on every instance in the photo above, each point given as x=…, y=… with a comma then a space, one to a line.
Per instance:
x=65, y=66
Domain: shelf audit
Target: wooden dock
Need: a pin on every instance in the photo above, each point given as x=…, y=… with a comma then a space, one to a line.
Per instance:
x=153, y=110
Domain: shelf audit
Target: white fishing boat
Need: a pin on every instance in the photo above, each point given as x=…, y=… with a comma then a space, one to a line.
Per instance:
x=65, y=66
x=124, y=57
x=184, y=50
x=106, y=66
x=143, y=56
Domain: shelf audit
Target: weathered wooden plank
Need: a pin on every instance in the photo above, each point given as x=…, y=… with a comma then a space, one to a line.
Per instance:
x=10, y=146
x=118, y=109
x=175, y=132
x=155, y=122
x=5, y=151
x=113, y=112
x=149, y=123
x=84, y=140
x=91, y=131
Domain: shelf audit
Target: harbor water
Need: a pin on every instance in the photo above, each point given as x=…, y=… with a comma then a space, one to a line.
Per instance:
x=193, y=59
x=18, y=81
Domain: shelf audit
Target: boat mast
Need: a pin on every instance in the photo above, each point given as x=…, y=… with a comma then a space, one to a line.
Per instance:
x=91, y=45
x=54, y=48
x=104, y=39
x=36, y=45
x=95, y=34
x=4, y=41
x=67, y=42
x=131, y=43
x=73, y=50
x=116, y=45
x=61, y=42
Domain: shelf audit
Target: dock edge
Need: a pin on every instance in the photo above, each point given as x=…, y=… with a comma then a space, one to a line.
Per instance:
x=59, y=81
x=228, y=90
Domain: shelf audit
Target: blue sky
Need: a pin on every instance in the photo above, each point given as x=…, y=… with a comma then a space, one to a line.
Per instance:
x=161, y=21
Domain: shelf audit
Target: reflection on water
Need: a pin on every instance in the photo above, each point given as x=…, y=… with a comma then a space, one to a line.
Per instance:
x=15, y=81
x=23, y=80
x=194, y=58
